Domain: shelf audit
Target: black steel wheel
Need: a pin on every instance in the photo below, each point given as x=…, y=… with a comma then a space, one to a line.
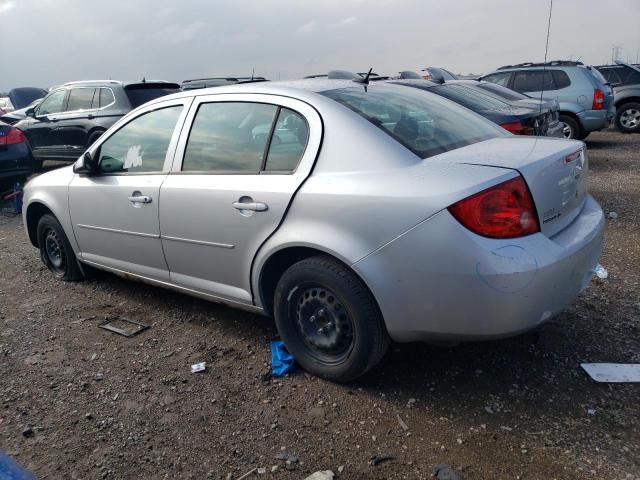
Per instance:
x=55, y=250
x=329, y=320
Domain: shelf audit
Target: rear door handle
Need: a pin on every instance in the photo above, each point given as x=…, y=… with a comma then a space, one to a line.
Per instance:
x=255, y=206
x=140, y=199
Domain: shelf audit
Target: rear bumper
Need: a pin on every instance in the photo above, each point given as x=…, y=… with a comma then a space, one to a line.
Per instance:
x=440, y=282
x=593, y=120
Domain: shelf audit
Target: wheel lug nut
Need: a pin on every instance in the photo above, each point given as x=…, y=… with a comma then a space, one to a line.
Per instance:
x=312, y=319
x=321, y=312
x=320, y=331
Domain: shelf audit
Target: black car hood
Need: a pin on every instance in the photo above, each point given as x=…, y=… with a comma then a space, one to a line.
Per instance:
x=23, y=96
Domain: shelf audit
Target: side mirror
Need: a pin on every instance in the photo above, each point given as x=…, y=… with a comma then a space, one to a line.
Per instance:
x=31, y=112
x=86, y=164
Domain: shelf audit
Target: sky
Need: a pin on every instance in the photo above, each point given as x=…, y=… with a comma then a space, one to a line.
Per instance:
x=48, y=42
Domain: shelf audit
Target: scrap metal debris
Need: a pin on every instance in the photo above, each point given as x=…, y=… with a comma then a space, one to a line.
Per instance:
x=601, y=272
x=198, y=367
x=445, y=472
x=124, y=326
x=403, y=425
x=613, y=372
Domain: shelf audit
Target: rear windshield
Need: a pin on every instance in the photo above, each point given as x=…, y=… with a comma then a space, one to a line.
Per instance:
x=423, y=122
x=501, y=91
x=22, y=97
x=139, y=95
x=470, y=97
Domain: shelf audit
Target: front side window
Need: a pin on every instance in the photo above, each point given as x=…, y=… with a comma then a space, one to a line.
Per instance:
x=229, y=137
x=141, y=145
x=54, y=103
x=288, y=142
x=80, y=99
x=423, y=122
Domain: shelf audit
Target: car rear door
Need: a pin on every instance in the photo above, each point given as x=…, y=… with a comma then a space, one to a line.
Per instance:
x=115, y=211
x=239, y=162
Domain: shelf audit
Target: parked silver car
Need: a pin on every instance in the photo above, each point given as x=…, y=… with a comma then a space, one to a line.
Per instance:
x=354, y=214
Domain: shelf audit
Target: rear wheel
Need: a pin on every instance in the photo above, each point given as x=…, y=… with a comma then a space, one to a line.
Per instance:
x=570, y=128
x=55, y=250
x=329, y=320
x=628, y=117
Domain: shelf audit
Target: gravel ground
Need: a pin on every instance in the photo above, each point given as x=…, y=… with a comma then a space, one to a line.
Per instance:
x=77, y=401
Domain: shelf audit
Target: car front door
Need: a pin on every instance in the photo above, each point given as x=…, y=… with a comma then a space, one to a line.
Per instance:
x=115, y=211
x=236, y=170
x=74, y=124
x=42, y=128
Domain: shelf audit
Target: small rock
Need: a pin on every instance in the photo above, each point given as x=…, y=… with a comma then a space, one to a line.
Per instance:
x=275, y=468
x=488, y=409
x=27, y=432
x=411, y=402
x=341, y=469
x=613, y=215
x=99, y=377
x=321, y=475
x=88, y=416
x=445, y=472
x=262, y=470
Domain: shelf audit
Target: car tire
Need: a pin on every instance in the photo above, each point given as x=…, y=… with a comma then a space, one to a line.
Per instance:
x=582, y=135
x=328, y=319
x=93, y=137
x=628, y=117
x=55, y=250
x=570, y=127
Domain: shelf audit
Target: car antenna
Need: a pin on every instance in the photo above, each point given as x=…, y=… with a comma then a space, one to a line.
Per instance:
x=546, y=50
x=253, y=70
x=364, y=80
x=144, y=80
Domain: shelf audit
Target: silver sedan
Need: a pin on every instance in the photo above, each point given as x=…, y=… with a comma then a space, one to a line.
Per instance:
x=353, y=214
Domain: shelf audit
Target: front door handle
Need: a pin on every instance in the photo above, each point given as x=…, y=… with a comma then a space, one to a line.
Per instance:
x=139, y=198
x=254, y=206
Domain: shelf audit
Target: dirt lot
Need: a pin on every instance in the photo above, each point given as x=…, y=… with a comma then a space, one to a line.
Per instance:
x=80, y=402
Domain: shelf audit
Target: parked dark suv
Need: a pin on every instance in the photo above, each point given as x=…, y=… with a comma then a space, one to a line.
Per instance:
x=625, y=80
x=74, y=115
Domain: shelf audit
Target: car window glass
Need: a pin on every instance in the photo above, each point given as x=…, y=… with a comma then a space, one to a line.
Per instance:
x=103, y=98
x=54, y=103
x=80, y=99
x=425, y=124
x=228, y=137
x=469, y=97
x=561, y=79
x=141, y=145
x=501, y=91
x=532, y=81
x=139, y=94
x=288, y=142
x=498, y=78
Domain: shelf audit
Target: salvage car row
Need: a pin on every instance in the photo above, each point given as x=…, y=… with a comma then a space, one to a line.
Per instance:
x=558, y=99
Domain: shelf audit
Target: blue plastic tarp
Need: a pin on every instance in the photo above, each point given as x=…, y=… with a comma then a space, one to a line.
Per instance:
x=281, y=360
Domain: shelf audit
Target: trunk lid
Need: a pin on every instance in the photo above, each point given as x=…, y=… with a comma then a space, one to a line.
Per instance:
x=555, y=171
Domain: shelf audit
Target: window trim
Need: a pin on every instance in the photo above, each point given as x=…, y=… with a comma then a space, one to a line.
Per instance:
x=65, y=101
x=191, y=120
x=185, y=102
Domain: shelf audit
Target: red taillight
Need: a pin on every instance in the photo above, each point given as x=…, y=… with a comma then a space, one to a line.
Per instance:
x=505, y=210
x=517, y=128
x=598, y=99
x=14, y=136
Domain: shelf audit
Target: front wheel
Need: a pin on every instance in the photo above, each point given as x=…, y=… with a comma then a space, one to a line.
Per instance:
x=55, y=250
x=329, y=320
x=628, y=117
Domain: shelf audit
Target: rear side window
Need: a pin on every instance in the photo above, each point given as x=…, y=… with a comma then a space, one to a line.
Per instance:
x=80, y=99
x=501, y=78
x=288, y=142
x=533, y=81
x=142, y=144
x=103, y=98
x=561, y=79
x=229, y=137
x=139, y=94
x=423, y=122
